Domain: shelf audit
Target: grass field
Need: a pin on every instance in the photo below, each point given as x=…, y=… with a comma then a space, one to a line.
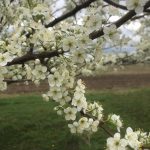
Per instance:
x=28, y=123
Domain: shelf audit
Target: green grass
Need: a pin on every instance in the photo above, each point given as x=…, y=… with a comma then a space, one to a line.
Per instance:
x=28, y=123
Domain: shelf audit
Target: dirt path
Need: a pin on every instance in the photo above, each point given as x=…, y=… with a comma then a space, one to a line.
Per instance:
x=124, y=81
x=111, y=81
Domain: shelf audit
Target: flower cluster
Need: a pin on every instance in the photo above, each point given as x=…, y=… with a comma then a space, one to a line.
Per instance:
x=70, y=113
x=39, y=72
x=5, y=58
x=3, y=85
x=132, y=140
x=93, y=18
x=116, y=121
x=110, y=32
x=84, y=125
x=79, y=99
x=137, y=5
x=96, y=110
x=60, y=55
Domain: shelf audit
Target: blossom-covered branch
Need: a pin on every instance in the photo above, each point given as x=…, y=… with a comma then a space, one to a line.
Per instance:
x=140, y=16
x=96, y=34
x=70, y=13
x=32, y=56
x=9, y=81
x=30, y=51
x=119, y=22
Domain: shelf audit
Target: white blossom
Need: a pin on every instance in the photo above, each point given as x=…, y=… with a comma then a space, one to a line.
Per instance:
x=110, y=32
x=93, y=125
x=116, y=143
x=137, y=5
x=70, y=113
x=84, y=123
x=45, y=97
x=79, y=102
x=96, y=110
x=132, y=138
x=5, y=58
x=69, y=43
x=75, y=128
x=39, y=72
x=79, y=56
x=115, y=119
x=55, y=93
x=55, y=79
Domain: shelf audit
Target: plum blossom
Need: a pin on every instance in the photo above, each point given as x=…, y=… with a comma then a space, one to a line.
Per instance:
x=70, y=113
x=93, y=125
x=5, y=58
x=3, y=85
x=115, y=119
x=75, y=128
x=79, y=100
x=137, y=5
x=65, y=98
x=94, y=21
x=39, y=72
x=83, y=123
x=69, y=43
x=55, y=79
x=55, y=93
x=116, y=143
x=96, y=110
x=132, y=138
x=83, y=40
x=45, y=97
x=110, y=32
x=40, y=9
x=79, y=56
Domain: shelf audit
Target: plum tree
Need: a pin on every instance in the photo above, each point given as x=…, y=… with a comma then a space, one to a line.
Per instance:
x=40, y=40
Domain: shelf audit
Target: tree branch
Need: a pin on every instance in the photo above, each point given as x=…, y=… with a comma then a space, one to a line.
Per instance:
x=140, y=16
x=28, y=57
x=9, y=81
x=118, y=23
x=145, y=147
x=106, y=130
x=147, y=10
x=101, y=124
x=120, y=6
x=71, y=13
x=128, y=16
x=116, y=4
